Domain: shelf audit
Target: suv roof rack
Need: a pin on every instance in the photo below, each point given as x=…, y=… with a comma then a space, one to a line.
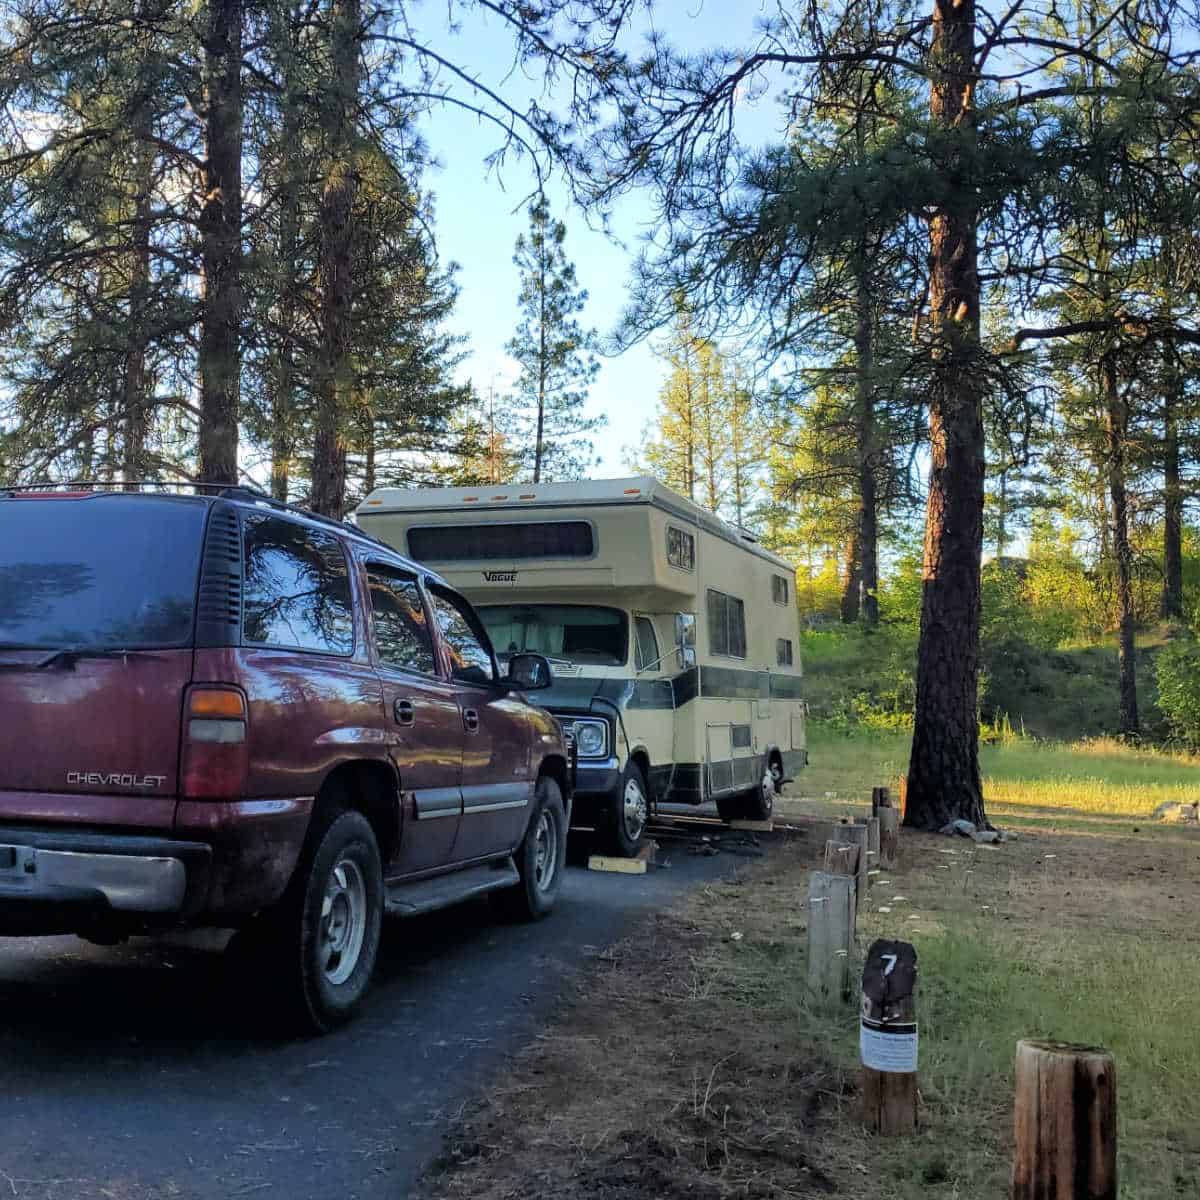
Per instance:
x=224, y=491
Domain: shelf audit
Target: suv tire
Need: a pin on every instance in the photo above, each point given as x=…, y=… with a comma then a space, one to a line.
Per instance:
x=540, y=858
x=328, y=924
x=631, y=812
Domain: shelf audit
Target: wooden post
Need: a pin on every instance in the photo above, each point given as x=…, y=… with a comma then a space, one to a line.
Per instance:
x=855, y=835
x=830, y=937
x=881, y=797
x=1064, y=1123
x=841, y=859
x=889, y=838
x=872, y=827
x=888, y=1038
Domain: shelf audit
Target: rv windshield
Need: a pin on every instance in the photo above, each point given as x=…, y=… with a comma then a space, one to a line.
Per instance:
x=576, y=633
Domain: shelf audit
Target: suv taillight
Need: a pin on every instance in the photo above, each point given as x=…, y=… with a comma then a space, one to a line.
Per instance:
x=214, y=744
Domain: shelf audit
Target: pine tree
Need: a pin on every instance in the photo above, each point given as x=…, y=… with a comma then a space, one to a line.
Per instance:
x=555, y=353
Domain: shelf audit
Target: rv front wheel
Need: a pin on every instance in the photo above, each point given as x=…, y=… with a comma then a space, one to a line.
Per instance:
x=760, y=803
x=632, y=811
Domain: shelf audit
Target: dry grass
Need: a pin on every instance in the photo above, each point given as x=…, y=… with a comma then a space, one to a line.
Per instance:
x=691, y=1064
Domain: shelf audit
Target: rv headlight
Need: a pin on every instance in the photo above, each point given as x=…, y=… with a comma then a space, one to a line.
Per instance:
x=591, y=738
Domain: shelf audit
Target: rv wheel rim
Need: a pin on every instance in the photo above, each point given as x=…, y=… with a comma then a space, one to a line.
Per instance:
x=545, y=852
x=777, y=775
x=635, y=809
x=768, y=792
x=343, y=921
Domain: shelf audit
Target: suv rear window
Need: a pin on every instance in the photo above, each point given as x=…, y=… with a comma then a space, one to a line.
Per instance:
x=297, y=588
x=112, y=571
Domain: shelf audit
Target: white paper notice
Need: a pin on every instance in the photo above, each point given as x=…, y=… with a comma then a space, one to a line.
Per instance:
x=889, y=1048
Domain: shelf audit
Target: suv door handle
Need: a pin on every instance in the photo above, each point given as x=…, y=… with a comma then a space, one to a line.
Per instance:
x=402, y=710
x=471, y=720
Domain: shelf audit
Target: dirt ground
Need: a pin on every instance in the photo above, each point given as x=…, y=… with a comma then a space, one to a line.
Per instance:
x=689, y=1064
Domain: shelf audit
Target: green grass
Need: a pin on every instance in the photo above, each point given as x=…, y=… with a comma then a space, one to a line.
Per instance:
x=1087, y=936
x=1022, y=778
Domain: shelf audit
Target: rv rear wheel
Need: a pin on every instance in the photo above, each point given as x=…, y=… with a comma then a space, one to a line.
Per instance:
x=632, y=805
x=760, y=802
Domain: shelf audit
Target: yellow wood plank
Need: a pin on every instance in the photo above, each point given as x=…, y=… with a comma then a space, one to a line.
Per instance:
x=624, y=866
x=755, y=826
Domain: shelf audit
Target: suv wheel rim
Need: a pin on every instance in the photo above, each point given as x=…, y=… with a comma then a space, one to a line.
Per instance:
x=767, y=787
x=634, y=809
x=545, y=852
x=343, y=921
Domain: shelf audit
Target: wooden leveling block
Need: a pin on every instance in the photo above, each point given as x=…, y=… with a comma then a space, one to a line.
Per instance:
x=624, y=866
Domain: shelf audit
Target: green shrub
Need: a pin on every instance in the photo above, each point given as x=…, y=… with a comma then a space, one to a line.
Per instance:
x=1178, y=673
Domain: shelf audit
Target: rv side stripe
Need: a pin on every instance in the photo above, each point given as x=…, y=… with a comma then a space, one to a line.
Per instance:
x=724, y=683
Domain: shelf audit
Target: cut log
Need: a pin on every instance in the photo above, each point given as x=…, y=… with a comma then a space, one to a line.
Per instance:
x=1064, y=1123
x=888, y=1038
x=889, y=838
x=830, y=938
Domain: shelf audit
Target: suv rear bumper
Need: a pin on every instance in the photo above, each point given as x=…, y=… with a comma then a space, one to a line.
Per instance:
x=59, y=881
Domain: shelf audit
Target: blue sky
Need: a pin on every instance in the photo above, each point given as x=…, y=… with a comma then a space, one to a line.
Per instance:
x=478, y=220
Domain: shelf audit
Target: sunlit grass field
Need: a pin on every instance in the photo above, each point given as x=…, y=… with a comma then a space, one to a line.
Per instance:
x=1024, y=781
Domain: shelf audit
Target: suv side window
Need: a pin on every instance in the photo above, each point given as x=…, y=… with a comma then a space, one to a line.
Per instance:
x=470, y=654
x=402, y=635
x=296, y=589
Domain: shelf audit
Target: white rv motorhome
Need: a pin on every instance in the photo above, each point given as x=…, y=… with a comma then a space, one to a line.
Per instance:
x=673, y=635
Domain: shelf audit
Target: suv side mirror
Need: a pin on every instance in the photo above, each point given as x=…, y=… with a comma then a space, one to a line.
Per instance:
x=529, y=672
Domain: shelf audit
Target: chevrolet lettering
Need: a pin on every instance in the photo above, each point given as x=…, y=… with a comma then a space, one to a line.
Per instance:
x=114, y=779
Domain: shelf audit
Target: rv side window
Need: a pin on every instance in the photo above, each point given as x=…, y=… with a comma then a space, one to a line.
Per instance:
x=646, y=645
x=783, y=652
x=681, y=549
x=726, y=625
x=485, y=542
x=685, y=640
x=779, y=589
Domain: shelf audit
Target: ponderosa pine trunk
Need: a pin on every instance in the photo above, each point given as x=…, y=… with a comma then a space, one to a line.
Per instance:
x=851, y=601
x=943, y=771
x=868, y=535
x=220, y=360
x=136, y=398
x=1172, y=594
x=1116, y=429
x=283, y=374
x=335, y=370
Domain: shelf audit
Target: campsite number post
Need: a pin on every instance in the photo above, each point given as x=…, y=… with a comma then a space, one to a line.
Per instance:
x=888, y=1038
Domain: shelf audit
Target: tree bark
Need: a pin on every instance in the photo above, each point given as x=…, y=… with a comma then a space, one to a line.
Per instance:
x=1172, y=595
x=539, y=446
x=1115, y=428
x=852, y=576
x=335, y=371
x=283, y=376
x=136, y=398
x=868, y=537
x=221, y=245
x=943, y=772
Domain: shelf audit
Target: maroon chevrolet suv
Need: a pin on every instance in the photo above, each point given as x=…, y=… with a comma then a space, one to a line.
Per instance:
x=220, y=710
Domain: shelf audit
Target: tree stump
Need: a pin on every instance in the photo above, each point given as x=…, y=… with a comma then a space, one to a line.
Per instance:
x=888, y=1038
x=881, y=797
x=1064, y=1123
x=889, y=838
x=830, y=937
x=855, y=835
